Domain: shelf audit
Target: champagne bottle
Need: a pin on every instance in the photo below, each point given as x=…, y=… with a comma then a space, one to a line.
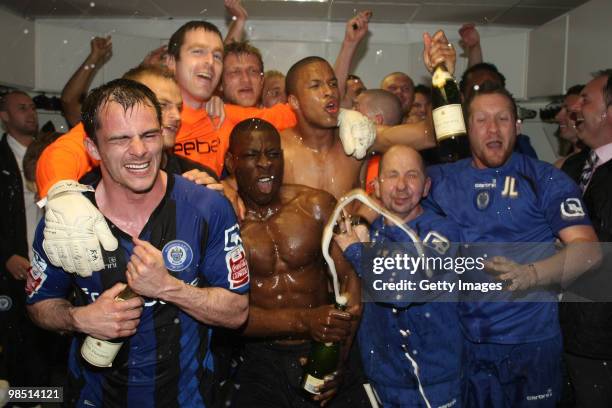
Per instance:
x=453, y=143
x=101, y=353
x=322, y=360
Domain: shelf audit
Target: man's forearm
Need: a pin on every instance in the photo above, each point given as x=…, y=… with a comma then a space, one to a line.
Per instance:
x=419, y=136
x=568, y=264
x=214, y=306
x=77, y=86
x=54, y=314
x=343, y=64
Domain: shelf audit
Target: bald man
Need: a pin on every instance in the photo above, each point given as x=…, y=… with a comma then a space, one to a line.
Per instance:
x=290, y=302
x=383, y=108
x=429, y=331
x=402, y=86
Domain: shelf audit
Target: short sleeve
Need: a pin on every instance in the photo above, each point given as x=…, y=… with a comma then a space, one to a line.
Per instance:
x=45, y=281
x=561, y=201
x=225, y=264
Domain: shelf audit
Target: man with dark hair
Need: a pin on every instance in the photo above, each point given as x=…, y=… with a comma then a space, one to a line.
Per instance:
x=312, y=149
x=421, y=107
x=473, y=78
x=179, y=251
x=282, y=234
x=502, y=196
x=354, y=86
x=242, y=79
x=196, y=57
x=587, y=329
x=569, y=145
x=477, y=74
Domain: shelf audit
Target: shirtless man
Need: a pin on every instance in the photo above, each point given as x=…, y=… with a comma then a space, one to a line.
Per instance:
x=290, y=300
x=313, y=153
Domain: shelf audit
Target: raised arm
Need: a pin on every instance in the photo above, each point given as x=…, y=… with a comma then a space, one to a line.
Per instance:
x=78, y=84
x=356, y=30
x=470, y=41
x=239, y=18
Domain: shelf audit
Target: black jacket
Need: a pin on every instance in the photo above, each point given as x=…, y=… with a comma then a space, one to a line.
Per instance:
x=587, y=327
x=13, y=231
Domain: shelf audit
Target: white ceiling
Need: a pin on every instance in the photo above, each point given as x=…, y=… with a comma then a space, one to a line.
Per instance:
x=528, y=13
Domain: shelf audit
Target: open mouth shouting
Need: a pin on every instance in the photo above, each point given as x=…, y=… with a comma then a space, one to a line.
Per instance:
x=265, y=184
x=331, y=107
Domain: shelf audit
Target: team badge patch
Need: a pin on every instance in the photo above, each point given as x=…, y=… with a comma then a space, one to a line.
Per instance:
x=571, y=209
x=36, y=274
x=437, y=242
x=237, y=267
x=232, y=237
x=483, y=200
x=5, y=303
x=177, y=255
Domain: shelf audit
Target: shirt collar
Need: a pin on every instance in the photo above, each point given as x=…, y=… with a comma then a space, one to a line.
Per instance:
x=604, y=154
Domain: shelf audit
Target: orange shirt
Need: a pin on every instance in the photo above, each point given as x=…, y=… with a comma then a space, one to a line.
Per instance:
x=197, y=139
x=64, y=159
x=372, y=173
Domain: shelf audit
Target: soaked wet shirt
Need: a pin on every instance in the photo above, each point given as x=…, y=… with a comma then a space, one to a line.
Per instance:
x=168, y=361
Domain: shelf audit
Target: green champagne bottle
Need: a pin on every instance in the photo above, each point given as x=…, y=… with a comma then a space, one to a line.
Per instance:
x=322, y=360
x=453, y=143
x=101, y=353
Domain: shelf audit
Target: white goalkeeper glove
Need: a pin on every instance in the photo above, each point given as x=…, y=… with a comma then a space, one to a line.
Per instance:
x=357, y=133
x=74, y=229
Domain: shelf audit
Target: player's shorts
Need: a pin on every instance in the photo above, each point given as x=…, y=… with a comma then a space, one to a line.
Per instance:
x=271, y=374
x=443, y=395
x=513, y=375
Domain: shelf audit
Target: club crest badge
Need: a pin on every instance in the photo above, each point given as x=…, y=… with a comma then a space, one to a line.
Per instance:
x=5, y=303
x=483, y=199
x=178, y=255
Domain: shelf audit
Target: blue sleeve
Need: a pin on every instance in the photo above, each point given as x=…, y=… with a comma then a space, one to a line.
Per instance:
x=225, y=263
x=353, y=254
x=561, y=201
x=45, y=281
x=435, y=199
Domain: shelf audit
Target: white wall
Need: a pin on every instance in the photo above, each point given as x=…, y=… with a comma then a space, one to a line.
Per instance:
x=17, y=50
x=588, y=49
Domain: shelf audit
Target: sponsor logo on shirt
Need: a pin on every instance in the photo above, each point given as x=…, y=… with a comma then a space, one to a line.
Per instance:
x=548, y=394
x=177, y=255
x=36, y=274
x=571, y=209
x=492, y=184
x=237, y=267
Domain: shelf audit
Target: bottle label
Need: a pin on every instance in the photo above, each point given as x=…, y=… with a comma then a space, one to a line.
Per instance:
x=448, y=121
x=311, y=383
x=99, y=353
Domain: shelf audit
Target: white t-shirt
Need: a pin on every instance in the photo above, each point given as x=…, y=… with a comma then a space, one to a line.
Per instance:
x=32, y=211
